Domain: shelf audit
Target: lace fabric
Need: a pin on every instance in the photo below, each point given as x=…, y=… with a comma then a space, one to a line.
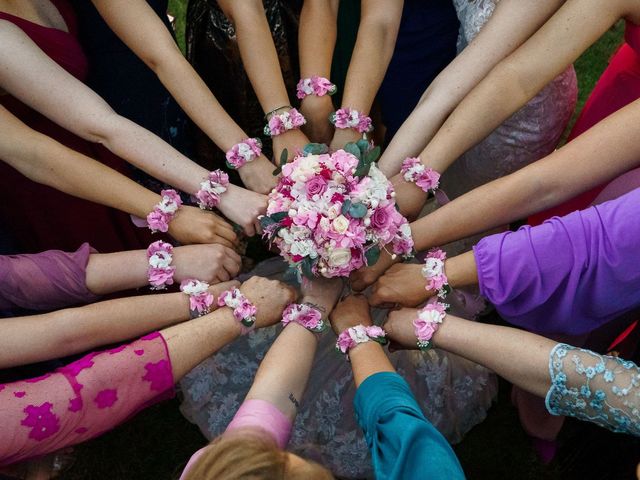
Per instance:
x=596, y=388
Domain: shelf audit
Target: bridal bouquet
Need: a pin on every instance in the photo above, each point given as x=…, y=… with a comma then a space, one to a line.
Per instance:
x=333, y=213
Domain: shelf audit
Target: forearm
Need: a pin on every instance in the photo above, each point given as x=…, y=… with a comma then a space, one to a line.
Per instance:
x=282, y=376
x=519, y=78
x=604, y=152
x=510, y=25
x=372, y=52
x=367, y=359
x=317, y=37
x=520, y=357
x=71, y=331
x=258, y=51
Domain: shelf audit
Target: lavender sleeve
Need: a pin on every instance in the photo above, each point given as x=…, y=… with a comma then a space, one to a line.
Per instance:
x=44, y=281
x=569, y=275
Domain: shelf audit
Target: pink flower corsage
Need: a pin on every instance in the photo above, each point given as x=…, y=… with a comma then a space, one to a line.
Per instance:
x=243, y=310
x=318, y=86
x=433, y=271
x=348, y=118
x=160, y=272
x=158, y=220
x=306, y=315
x=429, y=320
x=280, y=123
x=200, y=299
x=414, y=171
x=244, y=152
x=210, y=190
x=360, y=334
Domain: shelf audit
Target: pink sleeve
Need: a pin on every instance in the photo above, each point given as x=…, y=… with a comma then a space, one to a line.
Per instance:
x=45, y=281
x=254, y=414
x=264, y=415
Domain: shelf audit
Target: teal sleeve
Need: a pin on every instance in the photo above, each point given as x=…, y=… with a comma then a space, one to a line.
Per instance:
x=404, y=445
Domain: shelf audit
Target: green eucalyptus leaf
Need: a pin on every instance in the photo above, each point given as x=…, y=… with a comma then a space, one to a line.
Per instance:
x=353, y=149
x=266, y=221
x=279, y=216
x=372, y=255
x=363, y=145
x=307, y=268
x=315, y=149
x=372, y=155
x=284, y=157
x=363, y=169
x=346, y=206
x=358, y=210
x=277, y=171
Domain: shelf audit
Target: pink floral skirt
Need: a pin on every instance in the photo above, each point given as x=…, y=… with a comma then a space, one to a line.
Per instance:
x=83, y=399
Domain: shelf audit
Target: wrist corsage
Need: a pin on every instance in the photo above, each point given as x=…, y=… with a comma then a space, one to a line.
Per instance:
x=158, y=220
x=318, y=86
x=433, y=271
x=280, y=123
x=200, y=299
x=429, y=320
x=360, y=334
x=306, y=315
x=348, y=118
x=210, y=190
x=244, y=152
x=243, y=310
x=414, y=171
x=160, y=272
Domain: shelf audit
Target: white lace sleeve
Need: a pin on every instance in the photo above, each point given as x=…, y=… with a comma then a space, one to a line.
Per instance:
x=596, y=388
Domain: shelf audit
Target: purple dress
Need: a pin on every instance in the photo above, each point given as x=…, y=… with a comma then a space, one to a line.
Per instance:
x=45, y=281
x=569, y=275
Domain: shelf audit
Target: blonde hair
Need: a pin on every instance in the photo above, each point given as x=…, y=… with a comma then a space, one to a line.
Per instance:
x=251, y=456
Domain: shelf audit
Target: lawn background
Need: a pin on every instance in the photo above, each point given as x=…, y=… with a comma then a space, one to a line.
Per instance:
x=157, y=443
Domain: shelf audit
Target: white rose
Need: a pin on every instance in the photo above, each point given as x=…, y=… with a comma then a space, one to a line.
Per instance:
x=339, y=257
x=245, y=151
x=358, y=334
x=340, y=224
x=160, y=259
x=195, y=288
x=432, y=316
x=433, y=267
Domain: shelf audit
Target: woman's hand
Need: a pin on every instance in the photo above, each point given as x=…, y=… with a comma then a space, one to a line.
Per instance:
x=402, y=284
x=342, y=136
x=352, y=311
x=399, y=328
x=258, y=176
x=193, y=225
x=243, y=207
x=293, y=140
x=209, y=263
x=409, y=197
x=365, y=276
x=270, y=298
x=317, y=110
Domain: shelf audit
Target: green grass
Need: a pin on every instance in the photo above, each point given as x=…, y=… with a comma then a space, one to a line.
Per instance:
x=157, y=443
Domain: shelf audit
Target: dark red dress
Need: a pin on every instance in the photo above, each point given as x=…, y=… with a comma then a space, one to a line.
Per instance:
x=38, y=217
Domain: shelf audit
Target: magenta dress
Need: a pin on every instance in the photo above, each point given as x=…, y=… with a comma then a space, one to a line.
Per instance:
x=87, y=397
x=571, y=274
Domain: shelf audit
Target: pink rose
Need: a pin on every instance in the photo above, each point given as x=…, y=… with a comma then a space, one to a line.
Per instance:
x=344, y=343
x=316, y=186
x=344, y=162
x=382, y=217
x=310, y=318
x=424, y=329
x=158, y=221
x=159, y=277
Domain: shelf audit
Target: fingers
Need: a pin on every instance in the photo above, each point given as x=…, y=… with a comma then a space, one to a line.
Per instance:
x=231, y=266
x=250, y=230
x=222, y=241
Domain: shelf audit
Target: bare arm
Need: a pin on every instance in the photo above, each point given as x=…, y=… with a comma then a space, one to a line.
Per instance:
x=510, y=25
x=79, y=110
x=379, y=24
x=261, y=62
x=46, y=161
x=317, y=39
x=606, y=151
x=137, y=25
x=282, y=376
x=513, y=82
x=65, y=332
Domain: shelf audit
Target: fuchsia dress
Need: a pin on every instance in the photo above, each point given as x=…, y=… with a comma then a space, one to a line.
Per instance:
x=618, y=86
x=39, y=217
x=87, y=397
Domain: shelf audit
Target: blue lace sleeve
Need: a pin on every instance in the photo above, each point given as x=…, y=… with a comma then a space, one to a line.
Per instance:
x=596, y=388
